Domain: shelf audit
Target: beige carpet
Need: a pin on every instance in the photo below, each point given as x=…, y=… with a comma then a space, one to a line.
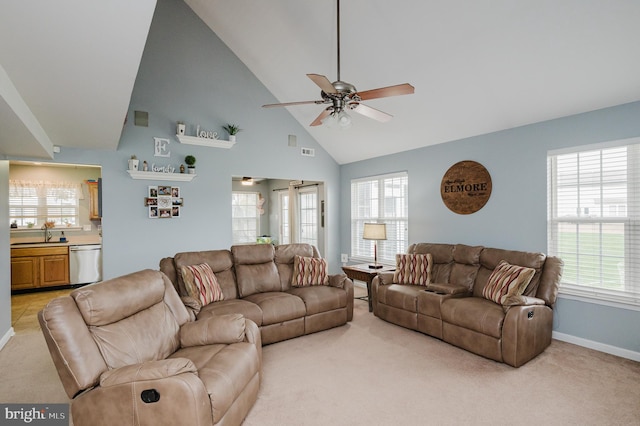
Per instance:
x=374, y=373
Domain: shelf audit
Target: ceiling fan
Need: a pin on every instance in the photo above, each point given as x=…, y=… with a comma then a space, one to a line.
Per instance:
x=342, y=96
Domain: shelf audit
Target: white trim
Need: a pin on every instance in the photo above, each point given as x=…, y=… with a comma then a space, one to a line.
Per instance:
x=595, y=146
x=7, y=336
x=601, y=347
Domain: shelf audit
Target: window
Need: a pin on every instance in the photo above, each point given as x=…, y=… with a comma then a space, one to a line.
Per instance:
x=284, y=218
x=594, y=220
x=245, y=217
x=39, y=202
x=382, y=199
x=308, y=202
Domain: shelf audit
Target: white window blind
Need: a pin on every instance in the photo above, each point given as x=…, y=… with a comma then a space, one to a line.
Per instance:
x=37, y=202
x=381, y=199
x=594, y=218
x=245, y=217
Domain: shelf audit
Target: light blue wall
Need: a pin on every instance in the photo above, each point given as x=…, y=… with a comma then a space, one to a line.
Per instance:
x=515, y=215
x=188, y=74
x=5, y=262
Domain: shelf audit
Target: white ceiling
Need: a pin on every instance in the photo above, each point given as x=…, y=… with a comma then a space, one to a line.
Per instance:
x=478, y=66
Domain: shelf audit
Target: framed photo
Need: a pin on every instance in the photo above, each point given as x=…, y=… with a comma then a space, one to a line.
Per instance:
x=150, y=201
x=153, y=212
x=177, y=201
x=175, y=191
x=164, y=213
x=164, y=191
x=175, y=211
x=153, y=191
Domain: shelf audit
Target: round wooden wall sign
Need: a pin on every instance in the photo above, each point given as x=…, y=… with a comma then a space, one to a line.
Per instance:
x=466, y=187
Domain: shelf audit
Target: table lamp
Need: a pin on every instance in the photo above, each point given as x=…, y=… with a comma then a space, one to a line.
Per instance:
x=375, y=232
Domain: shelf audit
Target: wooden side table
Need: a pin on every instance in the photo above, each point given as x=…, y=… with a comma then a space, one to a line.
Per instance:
x=364, y=273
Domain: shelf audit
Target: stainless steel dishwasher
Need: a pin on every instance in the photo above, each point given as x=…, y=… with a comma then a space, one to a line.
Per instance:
x=85, y=264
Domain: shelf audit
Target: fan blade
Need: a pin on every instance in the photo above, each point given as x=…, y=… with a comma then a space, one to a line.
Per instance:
x=322, y=82
x=384, y=92
x=318, y=120
x=292, y=103
x=367, y=111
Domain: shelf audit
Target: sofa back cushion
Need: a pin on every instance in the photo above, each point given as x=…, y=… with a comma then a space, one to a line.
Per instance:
x=491, y=257
x=284, y=258
x=255, y=268
x=221, y=263
x=129, y=319
x=452, y=263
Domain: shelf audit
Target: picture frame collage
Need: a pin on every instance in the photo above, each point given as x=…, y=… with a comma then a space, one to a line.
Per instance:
x=164, y=202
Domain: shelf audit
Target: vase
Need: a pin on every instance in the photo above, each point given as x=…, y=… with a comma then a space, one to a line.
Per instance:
x=192, y=170
x=232, y=138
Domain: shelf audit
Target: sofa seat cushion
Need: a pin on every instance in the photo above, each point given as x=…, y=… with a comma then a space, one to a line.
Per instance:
x=225, y=370
x=321, y=298
x=401, y=296
x=278, y=306
x=474, y=313
x=234, y=306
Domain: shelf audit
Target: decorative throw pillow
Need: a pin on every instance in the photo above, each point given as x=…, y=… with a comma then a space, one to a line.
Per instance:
x=507, y=280
x=309, y=271
x=201, y=283
x=413, y=269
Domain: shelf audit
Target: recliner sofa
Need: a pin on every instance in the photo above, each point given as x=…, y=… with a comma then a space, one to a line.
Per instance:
x=453, y=308
x=256, y=281
x=128, y=353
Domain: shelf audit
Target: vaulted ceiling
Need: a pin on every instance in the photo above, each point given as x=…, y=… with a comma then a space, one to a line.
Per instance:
x=477, y=66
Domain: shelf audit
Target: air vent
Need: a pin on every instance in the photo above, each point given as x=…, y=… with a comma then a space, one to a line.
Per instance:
x=308, y=152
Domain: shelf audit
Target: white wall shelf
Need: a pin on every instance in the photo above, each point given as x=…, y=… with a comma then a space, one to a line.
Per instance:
x=181, y=177
x=213, y=143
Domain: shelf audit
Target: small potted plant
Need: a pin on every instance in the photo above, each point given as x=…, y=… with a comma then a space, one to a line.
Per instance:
x=191, y=163
x=233, y=130
x=133, y=163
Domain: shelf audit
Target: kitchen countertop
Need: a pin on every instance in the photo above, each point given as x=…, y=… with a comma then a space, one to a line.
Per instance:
x=76, y=240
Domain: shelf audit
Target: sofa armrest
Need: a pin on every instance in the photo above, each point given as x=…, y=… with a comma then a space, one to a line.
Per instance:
x=192, y=304
x=446, y=288
x=150, y=370
x=338, y=280
x=385, y=278
x=216, y=329
x=522, y=301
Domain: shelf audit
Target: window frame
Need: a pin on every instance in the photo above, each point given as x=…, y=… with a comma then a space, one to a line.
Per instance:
x=397, y=224
x=603, y=218
x=50, y=201
x=247, y=219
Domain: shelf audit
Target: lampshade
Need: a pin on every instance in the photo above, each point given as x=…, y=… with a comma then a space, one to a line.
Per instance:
x=374, y=231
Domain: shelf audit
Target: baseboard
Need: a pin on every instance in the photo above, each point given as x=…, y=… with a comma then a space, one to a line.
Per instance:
x=5, y=339
x=602, y=347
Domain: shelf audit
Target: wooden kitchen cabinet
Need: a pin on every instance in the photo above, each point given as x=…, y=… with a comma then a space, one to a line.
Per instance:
x=35, y=267
x=94, y=200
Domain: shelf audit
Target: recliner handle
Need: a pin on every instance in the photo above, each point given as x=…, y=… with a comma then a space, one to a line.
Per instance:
x=149, y=396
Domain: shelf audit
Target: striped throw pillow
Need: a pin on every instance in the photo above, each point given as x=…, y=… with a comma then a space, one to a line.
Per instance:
x=309, y=271
x=413, y=269
x=201, y=283
x=507, y=280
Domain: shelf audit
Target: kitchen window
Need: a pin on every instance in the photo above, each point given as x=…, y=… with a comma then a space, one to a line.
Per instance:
x=381, y=199
x=594, y=220
x=31, y=203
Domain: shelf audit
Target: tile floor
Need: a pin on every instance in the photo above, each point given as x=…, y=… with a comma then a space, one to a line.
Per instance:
x=25, y=307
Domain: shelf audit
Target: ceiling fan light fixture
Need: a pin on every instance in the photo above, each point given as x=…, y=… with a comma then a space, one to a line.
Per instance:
x=344, y=120
x=247, y=181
